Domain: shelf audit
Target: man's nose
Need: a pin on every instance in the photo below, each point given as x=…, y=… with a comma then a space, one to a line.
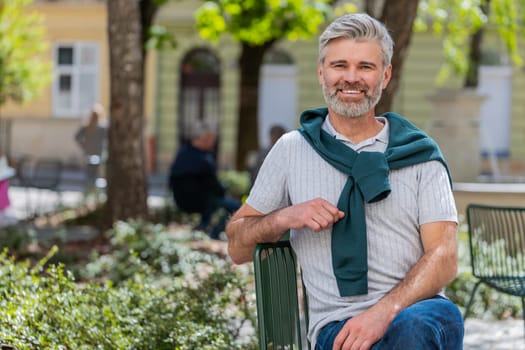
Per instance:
x=351, y=75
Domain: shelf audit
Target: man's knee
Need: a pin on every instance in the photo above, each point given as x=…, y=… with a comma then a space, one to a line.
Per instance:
x=430, y=324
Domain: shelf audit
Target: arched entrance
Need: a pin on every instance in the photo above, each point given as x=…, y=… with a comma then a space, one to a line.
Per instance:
x=199, y=93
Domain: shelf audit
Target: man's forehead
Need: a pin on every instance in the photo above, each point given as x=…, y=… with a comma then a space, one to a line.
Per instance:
x=343, y=49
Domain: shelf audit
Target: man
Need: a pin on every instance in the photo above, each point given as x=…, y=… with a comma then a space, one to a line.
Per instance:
x=369, y=206
x=194, y=183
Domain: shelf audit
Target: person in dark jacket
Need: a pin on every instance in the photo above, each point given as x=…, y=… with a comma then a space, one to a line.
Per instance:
x=194, y=183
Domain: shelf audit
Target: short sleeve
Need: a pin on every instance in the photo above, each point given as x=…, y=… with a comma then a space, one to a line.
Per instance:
x=269, y=191
x=435, y=197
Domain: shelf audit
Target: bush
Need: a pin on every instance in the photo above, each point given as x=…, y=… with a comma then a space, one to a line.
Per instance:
x=166, y=296
x=131, y=243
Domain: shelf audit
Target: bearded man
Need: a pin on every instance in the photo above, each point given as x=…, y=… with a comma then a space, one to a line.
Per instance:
x=369, y=206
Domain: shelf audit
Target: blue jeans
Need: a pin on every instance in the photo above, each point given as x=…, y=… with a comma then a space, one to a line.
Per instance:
x=434, y=323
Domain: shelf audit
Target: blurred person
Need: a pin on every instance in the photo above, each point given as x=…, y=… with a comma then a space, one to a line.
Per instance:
x=91, y=137
x=194, y=183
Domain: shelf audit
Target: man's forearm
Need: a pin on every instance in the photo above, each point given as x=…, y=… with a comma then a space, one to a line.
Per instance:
x=248, y=227
x=428, y=276
x=432, y=272
x=245, y=232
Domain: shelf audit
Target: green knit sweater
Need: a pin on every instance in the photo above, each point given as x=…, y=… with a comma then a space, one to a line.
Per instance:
x=367, y=182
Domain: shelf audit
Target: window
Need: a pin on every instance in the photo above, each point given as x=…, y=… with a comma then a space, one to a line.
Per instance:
x=75, y=87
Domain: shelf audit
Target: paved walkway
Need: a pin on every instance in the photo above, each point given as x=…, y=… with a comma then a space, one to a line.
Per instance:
x=26, y=201
x=479, y=334
x=494, y=335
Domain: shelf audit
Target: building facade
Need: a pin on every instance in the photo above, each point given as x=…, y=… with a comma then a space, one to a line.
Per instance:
x=199, y=79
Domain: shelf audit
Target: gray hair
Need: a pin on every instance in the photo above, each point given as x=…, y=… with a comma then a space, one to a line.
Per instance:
x=359, y=27
x=198, y=127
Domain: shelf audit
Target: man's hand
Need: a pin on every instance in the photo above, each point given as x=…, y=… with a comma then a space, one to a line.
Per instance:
x=363, y=331
x=316, y=214
x=247, y=227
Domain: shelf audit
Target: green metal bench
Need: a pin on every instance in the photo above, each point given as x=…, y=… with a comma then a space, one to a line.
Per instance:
x=280, y=302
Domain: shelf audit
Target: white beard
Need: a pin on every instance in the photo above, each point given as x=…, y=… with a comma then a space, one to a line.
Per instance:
x=352, y=109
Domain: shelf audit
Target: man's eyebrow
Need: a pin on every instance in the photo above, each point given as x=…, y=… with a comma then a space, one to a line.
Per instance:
x=337, y=62
x=368, y=63
x=342, y=61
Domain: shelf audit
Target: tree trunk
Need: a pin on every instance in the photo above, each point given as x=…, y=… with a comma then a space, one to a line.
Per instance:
x=472, y=76
x=148, y=10
x=373, y=7
x=126, y=171
x=399, y=18
x=248, y=129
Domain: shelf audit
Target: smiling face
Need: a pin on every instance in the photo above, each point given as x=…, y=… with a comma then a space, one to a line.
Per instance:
x=352, y=76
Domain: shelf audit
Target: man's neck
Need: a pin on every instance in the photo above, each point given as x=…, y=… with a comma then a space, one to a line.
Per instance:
x=356, y=129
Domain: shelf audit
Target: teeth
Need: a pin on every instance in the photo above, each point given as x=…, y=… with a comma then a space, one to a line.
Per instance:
x=351, y=91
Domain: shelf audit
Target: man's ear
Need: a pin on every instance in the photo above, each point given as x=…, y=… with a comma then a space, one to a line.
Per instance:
x=387, y=76
x=320, y=74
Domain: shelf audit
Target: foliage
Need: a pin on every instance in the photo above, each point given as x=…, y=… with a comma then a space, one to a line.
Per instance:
x=136, y=247
x=160, y=38
x=258, y=22
x=22, y=72
x=205, y=307
x=237, y=183
x=457, y=20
